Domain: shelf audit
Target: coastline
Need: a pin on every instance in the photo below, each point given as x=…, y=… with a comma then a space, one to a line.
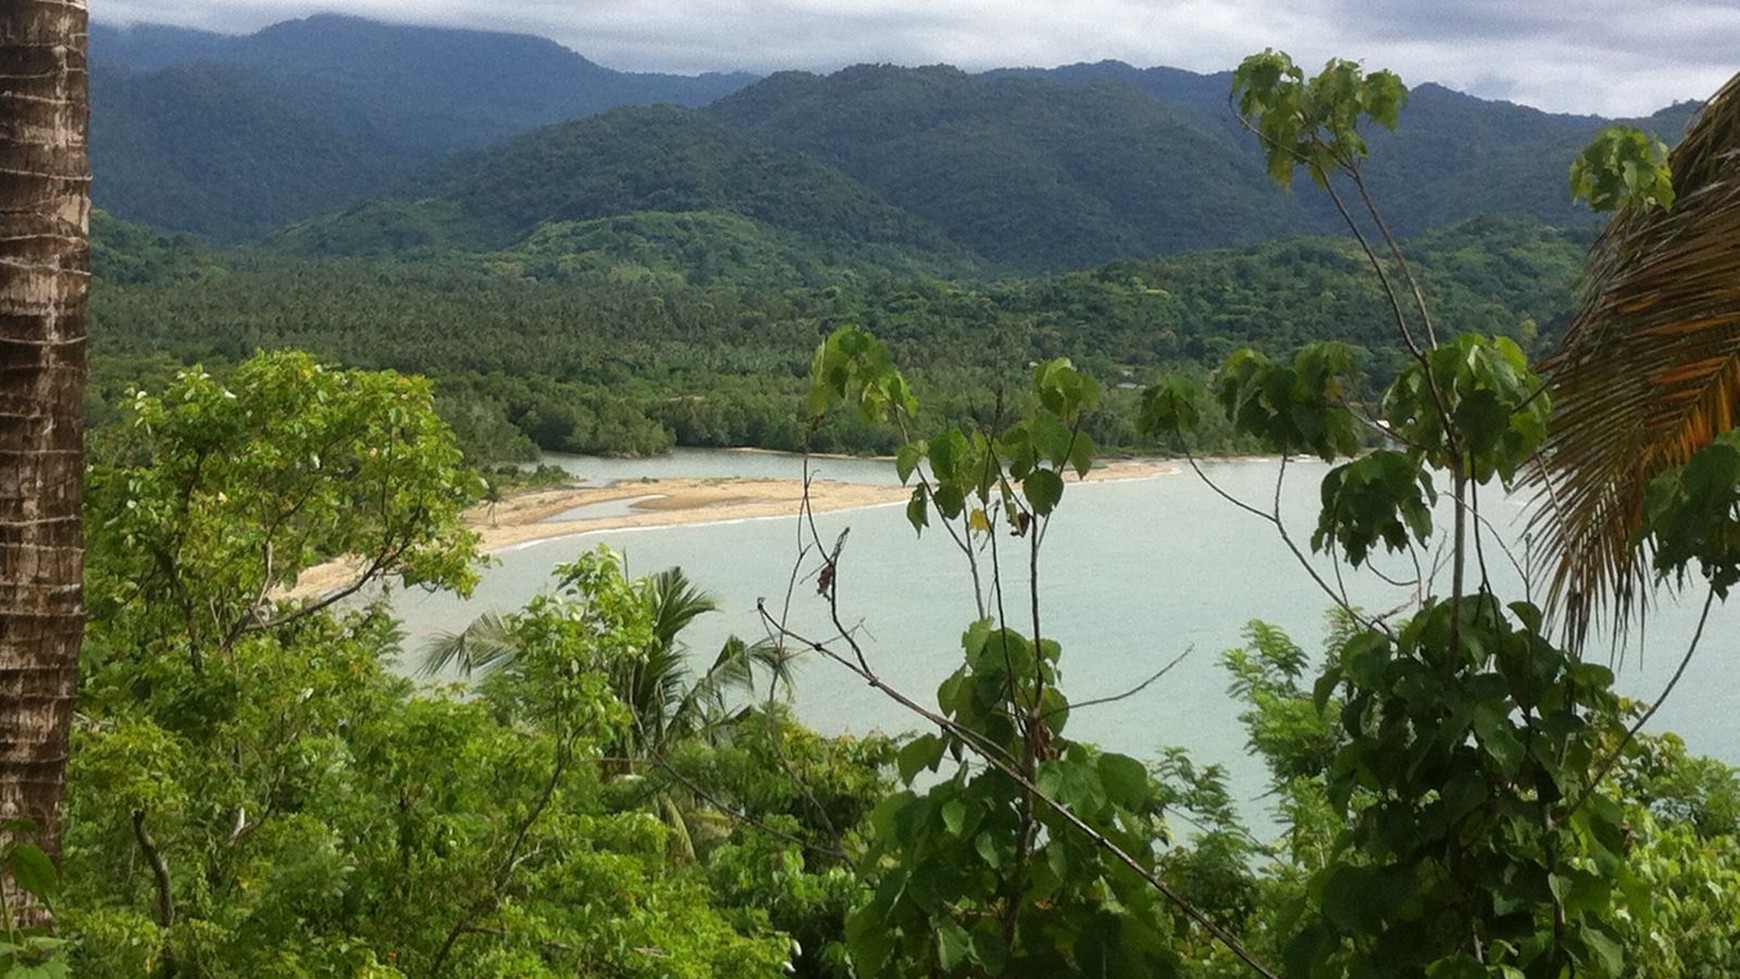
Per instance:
x=529, y=517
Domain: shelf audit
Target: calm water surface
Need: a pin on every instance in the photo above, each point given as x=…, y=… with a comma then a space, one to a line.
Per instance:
x=1132, y=574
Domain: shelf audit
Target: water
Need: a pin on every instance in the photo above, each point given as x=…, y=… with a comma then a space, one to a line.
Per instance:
x=716, y=463
x=1132, y=575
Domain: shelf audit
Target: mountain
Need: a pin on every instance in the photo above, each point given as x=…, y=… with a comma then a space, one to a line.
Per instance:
x=414, y=92
x=1453, y=157
x=153, y=47
x=657, y=187
x=1208, y=92
x=668, y=159
x=1027, y=172
x=199, y=147
x=232, y=136
x=1034, y=170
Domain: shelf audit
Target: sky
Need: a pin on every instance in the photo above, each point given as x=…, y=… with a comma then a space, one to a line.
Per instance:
x=1607, y=57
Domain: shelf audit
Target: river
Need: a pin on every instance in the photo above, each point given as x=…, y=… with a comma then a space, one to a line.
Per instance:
x=1132, y=574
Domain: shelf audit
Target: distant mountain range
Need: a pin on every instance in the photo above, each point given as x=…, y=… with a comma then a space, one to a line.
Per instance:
x=497, y=134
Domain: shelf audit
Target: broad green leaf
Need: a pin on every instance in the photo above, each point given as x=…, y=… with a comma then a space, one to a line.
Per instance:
x=1043, y=489
x=907, y=458
x=954, y=816
x=1126, y=780
x=922, y=752
x=1081, y=454
x=1073, y=781
x=954, y=946
x=1623, y=167
x=33, y=871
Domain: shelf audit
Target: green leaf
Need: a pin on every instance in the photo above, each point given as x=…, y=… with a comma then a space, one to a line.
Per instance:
x=1171, y=407
x=954, y=946
x=1126, y=780
x=918, y=509
x=1074, y=782
x=907, y=458
x=1458, y=967
x=954, y=816
x=922, y=752
x=1049, y=437
x=946, y=454
x=33, y=871
x=985, y=844
x=1081, y=454
x=1043, y=489
x=1605, y=957
x=1623, y=167
x=1498, y=738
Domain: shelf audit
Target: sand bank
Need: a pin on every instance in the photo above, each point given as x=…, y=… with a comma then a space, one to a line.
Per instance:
x=532, y=516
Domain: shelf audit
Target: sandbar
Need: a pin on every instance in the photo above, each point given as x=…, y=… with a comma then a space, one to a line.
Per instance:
x=526, y=517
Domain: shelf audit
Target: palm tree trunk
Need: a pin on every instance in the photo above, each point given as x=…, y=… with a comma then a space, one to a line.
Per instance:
x=44, y=273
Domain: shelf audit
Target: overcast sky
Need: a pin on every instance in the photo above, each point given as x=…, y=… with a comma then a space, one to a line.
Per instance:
x=1612, y=57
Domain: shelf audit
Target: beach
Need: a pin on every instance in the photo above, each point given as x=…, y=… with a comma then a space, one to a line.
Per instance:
x=545, y=514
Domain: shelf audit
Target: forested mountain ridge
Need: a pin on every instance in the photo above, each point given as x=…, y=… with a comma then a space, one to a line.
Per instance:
x=663, y=158
x=1029, y=173
x=233, y=136
x=1030, y=169
x=412, y=93
x=1067, y=167
x=201, y=147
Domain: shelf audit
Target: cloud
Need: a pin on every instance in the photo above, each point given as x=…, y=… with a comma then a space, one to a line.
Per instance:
x=1612, y=57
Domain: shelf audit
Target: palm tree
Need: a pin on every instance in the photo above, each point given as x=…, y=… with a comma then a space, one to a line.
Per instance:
x=667, y=707
x=44, y=269
x=1648, y=372
x=665, y=703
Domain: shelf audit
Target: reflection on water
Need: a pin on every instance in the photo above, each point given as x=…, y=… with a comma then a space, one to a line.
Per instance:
x=1133, y=573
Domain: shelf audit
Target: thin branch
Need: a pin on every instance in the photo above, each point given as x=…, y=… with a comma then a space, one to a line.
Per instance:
x=1594, y=782
x=974, y=743
x=376, y=567
x=1479, y=548
x=1223, y=494
x=1114, y=698
x=1396, y=250
x=464, y=925
x=745, y=817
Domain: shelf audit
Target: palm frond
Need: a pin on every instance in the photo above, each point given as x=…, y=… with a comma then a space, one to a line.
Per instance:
x=1646, y=375
x=676, y=602
x=484, y=645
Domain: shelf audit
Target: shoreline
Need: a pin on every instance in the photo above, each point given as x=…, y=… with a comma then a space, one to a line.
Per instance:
x=528, y=517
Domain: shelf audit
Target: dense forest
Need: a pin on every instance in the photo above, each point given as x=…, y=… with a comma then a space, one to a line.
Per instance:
x=630, y=334
x=997, y=280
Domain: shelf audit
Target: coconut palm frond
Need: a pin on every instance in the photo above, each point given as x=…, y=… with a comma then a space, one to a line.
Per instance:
x=676, y=603
x=738, y=665
x=484, y=645
x=1647, y=374
x=705, y=707
x=654, y=688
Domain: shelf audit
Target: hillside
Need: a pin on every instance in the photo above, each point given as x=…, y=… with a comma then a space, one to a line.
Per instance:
x=344, y=128
x=1029, y=173
x=230, y=137
x=668, y=159
x=1454, y=157
x=1074, y=166
x=413, y=93
x=201, y=148
x=694, y=247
